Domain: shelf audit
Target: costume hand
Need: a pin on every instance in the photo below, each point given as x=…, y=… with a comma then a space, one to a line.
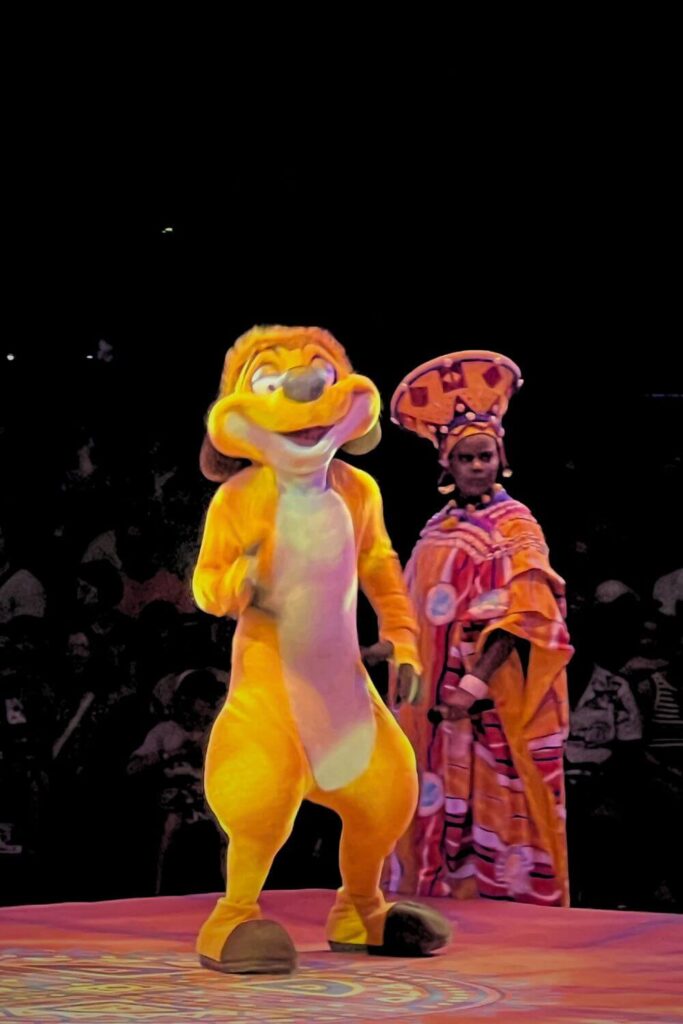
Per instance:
x=376, y=653
x=407, y=685
x=254, y=589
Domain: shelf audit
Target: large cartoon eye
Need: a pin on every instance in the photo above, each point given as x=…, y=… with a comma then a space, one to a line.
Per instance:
x=328, y=369
x=265, y=380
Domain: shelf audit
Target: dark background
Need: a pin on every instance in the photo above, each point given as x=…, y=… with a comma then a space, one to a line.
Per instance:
x=411, y=213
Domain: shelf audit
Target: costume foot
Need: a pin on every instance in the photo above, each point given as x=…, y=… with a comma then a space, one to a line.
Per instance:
x=347, y=947
x=255, y=947
x=412, y=929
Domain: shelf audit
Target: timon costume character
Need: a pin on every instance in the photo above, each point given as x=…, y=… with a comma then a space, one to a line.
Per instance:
x=285, y=544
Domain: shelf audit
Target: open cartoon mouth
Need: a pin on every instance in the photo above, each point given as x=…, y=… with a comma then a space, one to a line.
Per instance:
x=307, y=437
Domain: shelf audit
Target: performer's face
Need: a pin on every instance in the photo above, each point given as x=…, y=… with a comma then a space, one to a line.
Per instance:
x=474, y=464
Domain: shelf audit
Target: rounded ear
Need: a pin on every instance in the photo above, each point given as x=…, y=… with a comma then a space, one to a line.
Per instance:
x=215, y=466
x=363, y=445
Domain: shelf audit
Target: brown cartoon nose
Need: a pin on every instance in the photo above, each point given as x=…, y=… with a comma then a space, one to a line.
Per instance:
x=304, y=384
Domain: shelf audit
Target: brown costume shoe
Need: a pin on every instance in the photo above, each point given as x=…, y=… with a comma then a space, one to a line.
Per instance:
x=410, y=929
x=255, y=947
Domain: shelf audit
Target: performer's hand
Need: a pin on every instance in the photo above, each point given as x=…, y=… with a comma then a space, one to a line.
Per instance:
x=459, y=704
x=376, y=653
x=407, y=685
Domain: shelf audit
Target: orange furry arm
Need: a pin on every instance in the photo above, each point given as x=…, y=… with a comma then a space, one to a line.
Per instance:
x=381, y=578
x=221, y=583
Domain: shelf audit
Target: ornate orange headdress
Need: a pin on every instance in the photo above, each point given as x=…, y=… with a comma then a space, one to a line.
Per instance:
x=455, y=396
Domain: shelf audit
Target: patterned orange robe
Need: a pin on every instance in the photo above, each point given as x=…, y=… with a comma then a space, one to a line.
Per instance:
x=491, y=818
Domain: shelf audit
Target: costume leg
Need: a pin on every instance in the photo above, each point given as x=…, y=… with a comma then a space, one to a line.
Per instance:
x=256, y=777
x=375, y=809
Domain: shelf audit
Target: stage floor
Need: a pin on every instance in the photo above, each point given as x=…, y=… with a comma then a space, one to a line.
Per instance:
x=133, y=960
